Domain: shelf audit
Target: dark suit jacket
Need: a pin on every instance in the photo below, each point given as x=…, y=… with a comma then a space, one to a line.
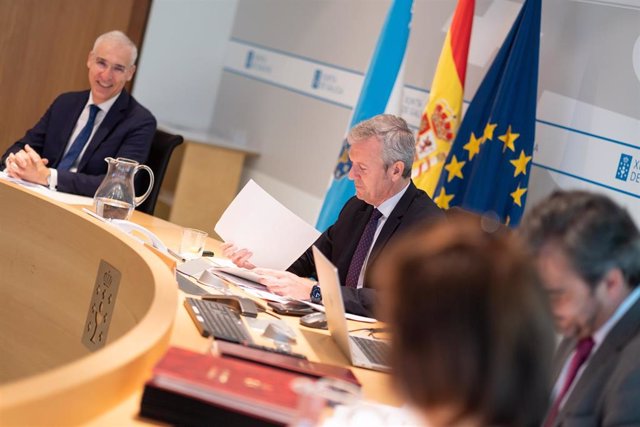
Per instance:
x=339, y=241
x=608, y=391
x=126, y=131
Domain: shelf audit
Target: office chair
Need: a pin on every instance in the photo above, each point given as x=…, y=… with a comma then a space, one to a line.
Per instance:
x=162, y=147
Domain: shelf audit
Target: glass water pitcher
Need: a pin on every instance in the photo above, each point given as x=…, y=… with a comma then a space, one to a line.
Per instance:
x=116, y=196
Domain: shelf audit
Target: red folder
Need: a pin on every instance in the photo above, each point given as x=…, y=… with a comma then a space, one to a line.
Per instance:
x=288, y=363
x=190, y=388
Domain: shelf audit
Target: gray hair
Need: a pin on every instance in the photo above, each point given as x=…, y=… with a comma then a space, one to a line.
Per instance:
x=118, y=37
x=398, y=142
x=594, y=233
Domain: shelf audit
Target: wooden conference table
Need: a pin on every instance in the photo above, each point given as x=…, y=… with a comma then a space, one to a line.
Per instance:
x=50, y=256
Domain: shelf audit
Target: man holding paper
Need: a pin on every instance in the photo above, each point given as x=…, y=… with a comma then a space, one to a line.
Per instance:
x=386, y=203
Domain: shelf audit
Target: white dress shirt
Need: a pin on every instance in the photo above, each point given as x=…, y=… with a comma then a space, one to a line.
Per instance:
x=385, y=209
x=598, y=338
x=80, y=124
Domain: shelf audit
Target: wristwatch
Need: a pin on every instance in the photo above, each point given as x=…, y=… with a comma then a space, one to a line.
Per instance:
x=316, y=295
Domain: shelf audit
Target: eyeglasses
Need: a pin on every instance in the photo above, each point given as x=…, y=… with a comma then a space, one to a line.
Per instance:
x=103, y=65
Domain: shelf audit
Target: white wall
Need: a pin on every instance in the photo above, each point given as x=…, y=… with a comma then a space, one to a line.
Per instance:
x=181, y=62
x=589, y=84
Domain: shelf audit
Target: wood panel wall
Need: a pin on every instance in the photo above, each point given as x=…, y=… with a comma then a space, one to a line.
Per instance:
x=44, y=45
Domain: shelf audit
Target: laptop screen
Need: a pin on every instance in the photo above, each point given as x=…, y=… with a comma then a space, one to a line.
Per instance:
x=329, y=283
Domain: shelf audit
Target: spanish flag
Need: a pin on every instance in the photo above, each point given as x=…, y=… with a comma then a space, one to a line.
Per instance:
x=487, y=170
x=442, y=114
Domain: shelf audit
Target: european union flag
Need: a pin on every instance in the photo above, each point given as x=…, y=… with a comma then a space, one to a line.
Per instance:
x=488, y=167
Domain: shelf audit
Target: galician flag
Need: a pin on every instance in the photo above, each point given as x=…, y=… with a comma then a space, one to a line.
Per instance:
x=442, y=114
x=380, y=93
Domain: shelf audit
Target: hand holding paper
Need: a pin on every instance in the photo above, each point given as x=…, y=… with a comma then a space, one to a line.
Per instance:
x=240, y=257
x=257, y=222
x=285, y=283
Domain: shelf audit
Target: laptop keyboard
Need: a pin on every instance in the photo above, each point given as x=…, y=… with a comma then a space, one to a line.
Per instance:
x=217, y=320
x=376, y=351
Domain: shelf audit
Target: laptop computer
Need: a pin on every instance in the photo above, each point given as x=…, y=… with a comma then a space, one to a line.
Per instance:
x=362, y=352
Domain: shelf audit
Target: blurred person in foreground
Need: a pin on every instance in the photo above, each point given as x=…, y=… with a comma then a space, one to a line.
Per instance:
x=386, y=204
x=66, y=149
x=587, y=249
x=472, y=336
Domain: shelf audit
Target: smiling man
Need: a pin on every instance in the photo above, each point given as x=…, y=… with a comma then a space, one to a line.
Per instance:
x=66, y=149
x=588, y=254
x=386, y=203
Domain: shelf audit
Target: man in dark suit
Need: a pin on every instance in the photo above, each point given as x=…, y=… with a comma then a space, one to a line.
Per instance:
x=66, y=149
x=588, y=254
x=382, y=151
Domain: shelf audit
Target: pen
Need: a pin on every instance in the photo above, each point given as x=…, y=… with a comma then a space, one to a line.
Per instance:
x=175, y=255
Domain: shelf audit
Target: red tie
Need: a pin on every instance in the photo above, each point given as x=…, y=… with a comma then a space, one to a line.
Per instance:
x=583, y=349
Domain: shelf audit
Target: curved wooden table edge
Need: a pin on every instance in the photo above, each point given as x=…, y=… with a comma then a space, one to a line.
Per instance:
x=78, y=391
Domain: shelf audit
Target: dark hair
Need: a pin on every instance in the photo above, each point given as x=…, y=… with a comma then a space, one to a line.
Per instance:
x=470, y=323
x=594, y=233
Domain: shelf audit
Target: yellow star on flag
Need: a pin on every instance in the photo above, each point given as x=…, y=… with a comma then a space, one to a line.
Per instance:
x=443, y=199
x=473, y=146
x=520, y=164
x=344, y=157
x=488, y=131
x=508, y=139
x=454, y=168
x=517, y=195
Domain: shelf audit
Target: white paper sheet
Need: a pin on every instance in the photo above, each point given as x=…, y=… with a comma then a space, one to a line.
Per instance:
x=70, y=199
x=243, y=273
x=243, y=282
x=256, y=221
x=248, y=282
x=267, y=296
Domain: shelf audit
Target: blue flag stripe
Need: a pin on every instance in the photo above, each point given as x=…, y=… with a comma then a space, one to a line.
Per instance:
x=376, y=89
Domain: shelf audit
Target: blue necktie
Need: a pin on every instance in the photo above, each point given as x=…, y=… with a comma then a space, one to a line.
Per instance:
x=357, y=260
x=81, y=140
